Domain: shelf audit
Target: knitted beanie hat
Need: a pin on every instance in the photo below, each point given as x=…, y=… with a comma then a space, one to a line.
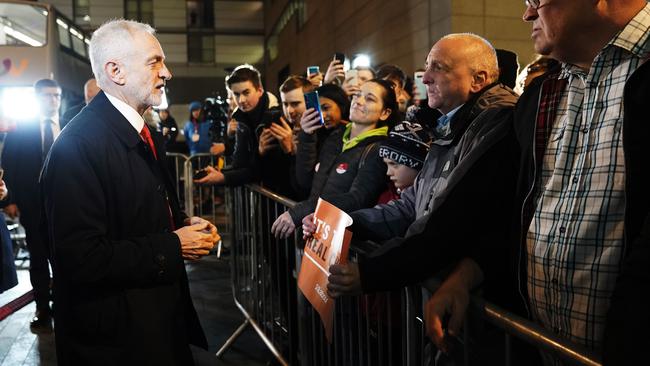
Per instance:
x=407, y=144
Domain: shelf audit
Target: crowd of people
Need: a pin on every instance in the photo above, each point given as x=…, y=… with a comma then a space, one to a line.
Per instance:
x=536, y=195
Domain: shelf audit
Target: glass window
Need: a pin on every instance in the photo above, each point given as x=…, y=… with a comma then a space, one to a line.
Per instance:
x=200, y=14
x=64, y=34
x=140, y=10
x=23, y=25
x=78, y=44
x=207, y=55
x=200, y=48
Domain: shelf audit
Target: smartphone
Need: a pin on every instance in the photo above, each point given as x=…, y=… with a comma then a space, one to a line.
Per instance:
x=200, y=174
x=271, y=116
x=340, y=57
x=419, y=85
x=2, y=173
x=312, y=70
x=351, y=77
x=312, y=101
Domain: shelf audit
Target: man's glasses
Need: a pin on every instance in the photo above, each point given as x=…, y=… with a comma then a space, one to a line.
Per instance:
x=532, y=3
x=50, y=95
x=535, y=4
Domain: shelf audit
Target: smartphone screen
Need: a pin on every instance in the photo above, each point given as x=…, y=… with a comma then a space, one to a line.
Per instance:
x=312, y=70
x=311, y=101
x=351, y=77
x=419, y=85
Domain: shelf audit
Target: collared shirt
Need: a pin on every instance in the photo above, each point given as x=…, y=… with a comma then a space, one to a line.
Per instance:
x=443, y=128
x=131, y=115
x=575, y=241
x=56, y=128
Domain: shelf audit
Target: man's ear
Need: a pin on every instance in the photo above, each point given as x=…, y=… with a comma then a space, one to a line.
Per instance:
x=479, y=81
x=115, y=72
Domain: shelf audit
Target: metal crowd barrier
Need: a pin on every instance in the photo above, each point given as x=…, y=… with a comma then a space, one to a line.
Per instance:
x=197, y=200
x=378, y=329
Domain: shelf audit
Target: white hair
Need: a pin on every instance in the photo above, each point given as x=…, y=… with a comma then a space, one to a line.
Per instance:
x=108, y=43
x=484, y=56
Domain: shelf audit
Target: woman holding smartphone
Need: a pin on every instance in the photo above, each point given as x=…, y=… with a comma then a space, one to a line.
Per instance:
x=349, y=173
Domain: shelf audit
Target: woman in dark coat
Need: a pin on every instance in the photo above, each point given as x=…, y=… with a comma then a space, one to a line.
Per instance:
x=349, y=173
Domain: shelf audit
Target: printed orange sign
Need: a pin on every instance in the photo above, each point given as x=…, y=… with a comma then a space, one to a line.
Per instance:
x=328, y=245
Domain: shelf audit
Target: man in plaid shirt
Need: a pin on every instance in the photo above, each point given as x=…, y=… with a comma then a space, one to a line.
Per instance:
x=583, y=191
x=584, y=219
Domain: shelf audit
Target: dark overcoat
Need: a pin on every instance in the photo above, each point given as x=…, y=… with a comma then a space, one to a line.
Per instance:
x=121, y=290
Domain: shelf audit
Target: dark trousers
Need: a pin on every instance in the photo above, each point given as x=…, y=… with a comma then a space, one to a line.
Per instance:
x=39, y=270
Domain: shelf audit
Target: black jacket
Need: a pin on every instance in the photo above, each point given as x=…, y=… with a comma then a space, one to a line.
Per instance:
x=628, y=321
x=120, y=284
x=22, y=160
x=309, y=147
x=468, y=216
x=275, y=169
x=349, y=180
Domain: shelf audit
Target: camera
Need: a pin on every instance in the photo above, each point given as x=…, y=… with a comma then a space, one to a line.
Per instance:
x=215, y=110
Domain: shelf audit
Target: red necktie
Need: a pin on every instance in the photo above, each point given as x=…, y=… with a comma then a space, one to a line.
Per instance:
x=146, y=136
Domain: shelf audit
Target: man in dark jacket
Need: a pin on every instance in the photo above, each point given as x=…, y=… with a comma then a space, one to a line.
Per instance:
x=25, y=150
x=255, y=109
x=462, y=174
x=117, y=233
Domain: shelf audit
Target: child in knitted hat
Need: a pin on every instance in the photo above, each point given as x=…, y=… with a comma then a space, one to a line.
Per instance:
x=404, y=153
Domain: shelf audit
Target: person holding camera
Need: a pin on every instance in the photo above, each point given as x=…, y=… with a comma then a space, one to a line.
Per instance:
x=255, y=109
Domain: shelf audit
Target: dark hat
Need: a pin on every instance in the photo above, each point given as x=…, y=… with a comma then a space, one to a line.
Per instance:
x=195, y=105
x=407, y=144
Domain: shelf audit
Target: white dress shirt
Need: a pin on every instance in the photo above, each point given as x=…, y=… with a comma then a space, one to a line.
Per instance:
x=131, y=115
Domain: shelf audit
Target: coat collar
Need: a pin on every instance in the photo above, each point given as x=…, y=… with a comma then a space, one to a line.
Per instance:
x=115, y=120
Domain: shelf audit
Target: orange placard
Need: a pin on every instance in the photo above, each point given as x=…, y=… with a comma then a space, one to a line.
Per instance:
x=328, y=245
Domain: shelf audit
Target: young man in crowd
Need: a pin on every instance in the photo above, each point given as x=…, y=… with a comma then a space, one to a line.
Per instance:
x=278, y=139
x=254, y=107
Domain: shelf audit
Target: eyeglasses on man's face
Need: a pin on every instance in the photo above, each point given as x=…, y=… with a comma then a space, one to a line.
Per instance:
x=532, y=3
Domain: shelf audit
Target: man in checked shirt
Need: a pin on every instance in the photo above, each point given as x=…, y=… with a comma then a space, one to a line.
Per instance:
x=584, y=201
x=583, y=132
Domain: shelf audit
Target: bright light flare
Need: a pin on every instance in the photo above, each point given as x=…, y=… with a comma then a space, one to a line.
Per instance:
x=361, y=60
x=18, y=103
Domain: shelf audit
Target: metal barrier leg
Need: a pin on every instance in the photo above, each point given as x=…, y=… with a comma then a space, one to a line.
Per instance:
x=233, y=338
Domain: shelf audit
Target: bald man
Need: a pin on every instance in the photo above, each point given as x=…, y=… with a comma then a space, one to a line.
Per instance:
x=448, y=213
x=90, y=90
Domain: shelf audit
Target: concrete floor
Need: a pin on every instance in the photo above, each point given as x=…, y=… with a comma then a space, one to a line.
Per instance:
x=212, y=295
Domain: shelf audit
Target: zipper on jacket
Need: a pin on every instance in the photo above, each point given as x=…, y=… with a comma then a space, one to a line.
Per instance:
x=521, y=221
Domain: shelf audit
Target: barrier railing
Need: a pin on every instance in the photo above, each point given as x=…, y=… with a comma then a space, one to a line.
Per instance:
x=378, y=329
x=197, y=200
